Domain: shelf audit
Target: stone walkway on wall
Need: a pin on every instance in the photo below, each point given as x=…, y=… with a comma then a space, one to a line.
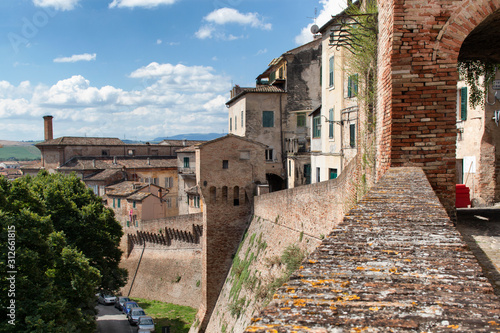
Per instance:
x=395, y=264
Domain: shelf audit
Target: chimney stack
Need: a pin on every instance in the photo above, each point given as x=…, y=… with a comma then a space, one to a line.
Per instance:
x=47, y=123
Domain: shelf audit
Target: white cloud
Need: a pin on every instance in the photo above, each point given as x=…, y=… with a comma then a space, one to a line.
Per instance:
x=330, y=7
x=262, y=51
x=77, y=57
x=223, y=16
x=169, y=99
x=205, y=31
x=159, y=41
x=229, y=15
x=140, y=3
x=57, y=4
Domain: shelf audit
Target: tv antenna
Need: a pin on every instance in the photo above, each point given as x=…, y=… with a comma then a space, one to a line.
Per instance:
x=314, y=27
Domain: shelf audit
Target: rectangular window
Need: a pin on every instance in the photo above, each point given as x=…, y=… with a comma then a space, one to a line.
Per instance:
x=230, y=124
x=225, y=164
x=169, y=182
x=318, y=175
x=119, y=203
x=352, y=135
x=330, y=125
x=241, y=119
x=131, y=152
x=352, y=86
x=289, y=168
x=269, y=154
x=114, y=204
x=330, y=68
x=105, y=152
x=186, y=162
x=267, y=118
x=463, y=103
x=307, y=173
x=301, y=119
x=316, y=126
x=133, y=204
x=332, y=173
x=235, y=123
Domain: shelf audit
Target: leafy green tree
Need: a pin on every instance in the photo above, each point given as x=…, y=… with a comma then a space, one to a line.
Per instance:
x=66, y=246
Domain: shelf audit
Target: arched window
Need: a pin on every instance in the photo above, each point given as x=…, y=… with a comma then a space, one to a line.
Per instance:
x=213, y=195
x=236, y=196
x=224, y=193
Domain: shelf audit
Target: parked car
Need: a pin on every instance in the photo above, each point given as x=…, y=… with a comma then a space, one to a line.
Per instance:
x=119, y=302
x=106, y=299
x=129, y=305
x=146, y=324
x=134, y=314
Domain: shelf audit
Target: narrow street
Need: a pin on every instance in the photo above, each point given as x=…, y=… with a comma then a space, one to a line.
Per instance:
x=111, y=320
x=480, y=229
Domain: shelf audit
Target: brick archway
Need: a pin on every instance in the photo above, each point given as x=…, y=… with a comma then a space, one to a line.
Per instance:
x=419, y=45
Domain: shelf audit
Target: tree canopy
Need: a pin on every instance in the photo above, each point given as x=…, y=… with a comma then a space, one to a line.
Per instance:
x=66, y=247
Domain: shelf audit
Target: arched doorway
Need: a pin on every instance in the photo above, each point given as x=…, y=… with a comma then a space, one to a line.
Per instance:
x=478, y=159
x=276, y=183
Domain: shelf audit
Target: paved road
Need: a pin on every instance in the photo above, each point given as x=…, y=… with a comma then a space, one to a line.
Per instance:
x=480, y=229
x=111, y=320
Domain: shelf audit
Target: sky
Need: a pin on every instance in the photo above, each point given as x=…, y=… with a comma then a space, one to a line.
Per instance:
x=139, y=69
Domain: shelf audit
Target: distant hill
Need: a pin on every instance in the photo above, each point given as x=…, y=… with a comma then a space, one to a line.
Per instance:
x=192, y=136
x=18, y=151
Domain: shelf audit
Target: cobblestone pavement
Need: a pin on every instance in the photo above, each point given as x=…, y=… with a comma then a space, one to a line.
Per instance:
x=480, y=229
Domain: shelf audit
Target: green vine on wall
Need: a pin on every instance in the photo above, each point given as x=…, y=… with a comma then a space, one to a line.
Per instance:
x=478, y=75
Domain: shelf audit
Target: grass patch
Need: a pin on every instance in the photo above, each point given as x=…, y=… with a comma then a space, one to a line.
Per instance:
x=178, y=317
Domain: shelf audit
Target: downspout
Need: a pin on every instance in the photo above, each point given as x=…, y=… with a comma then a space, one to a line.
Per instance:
x=283, y=157
x=137, y=269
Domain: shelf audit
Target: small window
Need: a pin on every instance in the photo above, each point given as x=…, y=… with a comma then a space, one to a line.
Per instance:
x=169, y=182
x=268, y=118
x=119, y=203
x=131, y=152
x=225, y=164
x=133, y=204
x=352, y=135
x=289, y=168
x=235, y=123
x=331, y=71
x=186, y=162
x=463, y=103
x=230, y=124
x=330, y=124
x=114, y=202
x=105, y=152
x=269, y=154
x=318, y=175
x=301, y=119
x=332, y=173
x=352, y=86
x=241, y=119
x=316, y=126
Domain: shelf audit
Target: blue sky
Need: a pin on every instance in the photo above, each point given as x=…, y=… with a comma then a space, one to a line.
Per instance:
x=139, y=69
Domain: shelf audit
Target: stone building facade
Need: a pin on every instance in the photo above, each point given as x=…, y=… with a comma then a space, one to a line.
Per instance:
x=275, y=112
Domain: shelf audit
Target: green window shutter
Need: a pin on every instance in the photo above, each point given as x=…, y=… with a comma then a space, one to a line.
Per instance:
x=356, y=80
x=331, y=78
x=119, y=203
x=268, y=118
x=330, y=124
x=352, y=135
x=316, y=127
x=463, y=103
x=186, y=162
x=349, y=86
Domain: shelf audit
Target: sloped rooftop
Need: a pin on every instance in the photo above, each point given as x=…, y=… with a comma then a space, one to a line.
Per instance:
x=395, y=264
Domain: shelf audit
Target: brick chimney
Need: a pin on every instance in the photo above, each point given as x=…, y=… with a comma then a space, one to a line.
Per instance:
x=47, y=123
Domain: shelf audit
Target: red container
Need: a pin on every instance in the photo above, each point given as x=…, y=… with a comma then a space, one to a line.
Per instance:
x=462, y=196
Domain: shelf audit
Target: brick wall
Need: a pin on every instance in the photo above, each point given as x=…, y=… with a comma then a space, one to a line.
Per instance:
x=420, y=44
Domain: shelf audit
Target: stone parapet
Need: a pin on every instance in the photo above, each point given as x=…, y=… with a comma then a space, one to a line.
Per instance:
x=395, y=264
